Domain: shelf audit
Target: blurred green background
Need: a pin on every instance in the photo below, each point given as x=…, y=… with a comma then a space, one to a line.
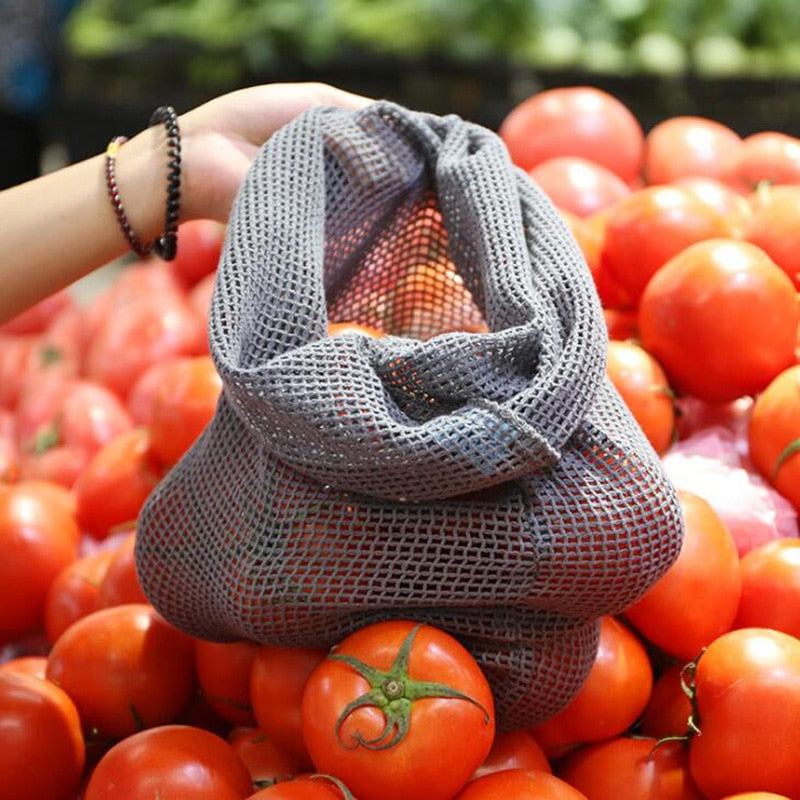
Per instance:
x=733, y=60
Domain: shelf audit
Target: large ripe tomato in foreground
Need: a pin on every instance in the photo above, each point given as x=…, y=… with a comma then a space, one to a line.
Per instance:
x=399, y=711
x=125, y=668
x=41, y=745
x=575, y=121
x=747, y=687
x=721, y=318
x=173, y=762
x=696, y=599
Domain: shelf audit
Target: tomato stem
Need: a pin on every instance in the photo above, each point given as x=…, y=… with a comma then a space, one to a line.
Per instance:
x=786, y=453
x=394, y=693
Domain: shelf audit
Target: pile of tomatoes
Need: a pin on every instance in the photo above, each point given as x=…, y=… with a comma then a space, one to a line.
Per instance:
x=692, y=235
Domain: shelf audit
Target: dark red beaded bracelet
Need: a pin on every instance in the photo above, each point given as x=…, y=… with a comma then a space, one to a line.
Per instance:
x=166, y=245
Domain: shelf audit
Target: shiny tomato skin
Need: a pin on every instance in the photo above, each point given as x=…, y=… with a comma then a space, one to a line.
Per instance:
x=277, y=678
x=771, y=587
x=774, y=226
x=575, y=121
x=113, y=486
x=747, y=685
x=769, y=156
x=446, y=740
x=721, y=318
x=170, y=762
x=696, y=600
x=651, y=226
x=636, y=769
x=38, y=538
x=688, y=145
x=578, y=185
x=125, y=669
x=644, y=387
x=183, y=404
x=35, y=666
x=612, y=696
x=773, y=429
x=42, y=753
x=520, y=784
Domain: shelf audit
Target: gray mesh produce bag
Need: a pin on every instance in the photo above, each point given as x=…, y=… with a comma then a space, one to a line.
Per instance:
x=474, y=469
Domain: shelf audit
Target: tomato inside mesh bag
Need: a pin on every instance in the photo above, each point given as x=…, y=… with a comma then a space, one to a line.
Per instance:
x=473, y=469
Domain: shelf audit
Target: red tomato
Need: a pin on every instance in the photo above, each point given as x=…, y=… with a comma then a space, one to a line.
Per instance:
x=199, y=247
x=769, y=156
x=305, y=787
x=398, y=710
x=683, y=146
x=172, y=762
x=636, y=769
x=756, y=796
x=34, y=666
x=575, y=121
x=112, y=488
x=200, y=298
x=774, y=432
x=611, y=698
x=125, y=669
x=139, y=334
x=73, y=417
x=223, y=672
x=42, y=753
x=277, y=679
x=120, y=583
x=183, y=405
x=142, y=396
x=707, y=571
x=774, y=226
x=643, y=386
x=621, y=325
x=73, y=593
x=264, y=759
x=668, y=709
x=747, y=688
x=519, y=784
x=588, y=238
x=514, y=750
x=579, y=186
x=771, y=587
x=646, y=229
x=721, y=319
x=726, y=201
x=9, y=451
x=38, y=538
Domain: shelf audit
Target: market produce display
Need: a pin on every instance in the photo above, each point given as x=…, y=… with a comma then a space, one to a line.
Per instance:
x=693, y=692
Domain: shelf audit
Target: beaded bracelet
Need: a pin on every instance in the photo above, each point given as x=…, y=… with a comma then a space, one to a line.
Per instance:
x=166, y=245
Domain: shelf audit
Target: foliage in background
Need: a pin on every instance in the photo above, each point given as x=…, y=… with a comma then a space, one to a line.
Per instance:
x=228, y=39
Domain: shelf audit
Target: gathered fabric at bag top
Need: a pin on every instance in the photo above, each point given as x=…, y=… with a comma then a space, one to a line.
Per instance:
x=473, y=468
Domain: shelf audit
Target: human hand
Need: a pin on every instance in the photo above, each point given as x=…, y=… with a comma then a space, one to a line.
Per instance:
x=222, y=137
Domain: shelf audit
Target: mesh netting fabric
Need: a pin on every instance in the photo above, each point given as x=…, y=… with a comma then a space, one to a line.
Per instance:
x=473, y=469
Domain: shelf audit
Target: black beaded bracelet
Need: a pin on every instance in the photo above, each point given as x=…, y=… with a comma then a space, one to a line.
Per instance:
x=166, y=245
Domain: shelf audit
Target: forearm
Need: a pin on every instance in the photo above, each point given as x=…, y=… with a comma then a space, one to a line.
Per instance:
x=60, y=227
